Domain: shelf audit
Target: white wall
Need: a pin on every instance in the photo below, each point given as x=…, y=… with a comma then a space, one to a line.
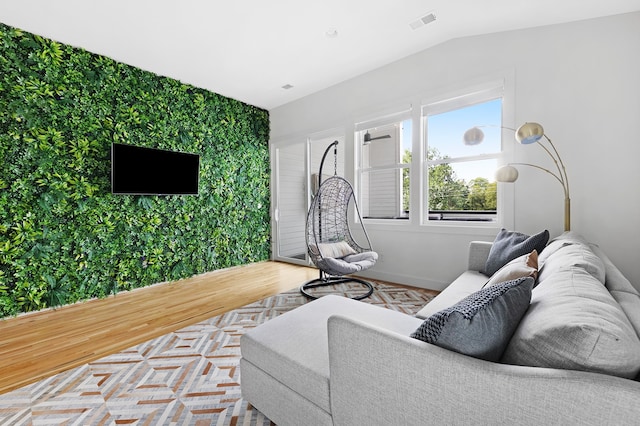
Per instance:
x=580, y=80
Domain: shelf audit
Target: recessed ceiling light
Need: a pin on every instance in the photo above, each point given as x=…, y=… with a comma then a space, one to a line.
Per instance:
x=287, y=87
x=422, y=21
x=332, y=33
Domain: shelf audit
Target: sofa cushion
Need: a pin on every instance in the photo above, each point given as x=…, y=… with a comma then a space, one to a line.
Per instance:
x=481, y=324
x=349, y=264
x=574, y=323
x=467, y=283
x=523, y=266
x=570, y=251
x=509, y=244
x=621, y=289
x=293, y=347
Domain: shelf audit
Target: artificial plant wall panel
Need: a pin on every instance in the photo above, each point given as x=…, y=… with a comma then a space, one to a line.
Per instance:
x=63, y=236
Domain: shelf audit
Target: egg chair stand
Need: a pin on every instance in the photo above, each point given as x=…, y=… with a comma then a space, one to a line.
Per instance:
x=330, y=243
x=326, y=280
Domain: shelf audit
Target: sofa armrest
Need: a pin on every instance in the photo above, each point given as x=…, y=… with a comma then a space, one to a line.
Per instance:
x=378, y=377
x=478, y=255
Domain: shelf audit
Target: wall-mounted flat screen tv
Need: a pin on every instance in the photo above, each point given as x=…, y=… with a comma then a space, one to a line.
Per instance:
x=148, y=171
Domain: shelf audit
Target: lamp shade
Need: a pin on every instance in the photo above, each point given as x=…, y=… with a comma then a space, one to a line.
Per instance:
x=507, y=174
x=529, y=133
x=473, y=136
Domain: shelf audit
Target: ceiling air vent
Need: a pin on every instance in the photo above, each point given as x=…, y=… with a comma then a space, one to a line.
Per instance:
x=424, y=20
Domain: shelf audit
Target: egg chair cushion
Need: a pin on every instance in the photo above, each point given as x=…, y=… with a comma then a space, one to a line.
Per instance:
x=348, y=264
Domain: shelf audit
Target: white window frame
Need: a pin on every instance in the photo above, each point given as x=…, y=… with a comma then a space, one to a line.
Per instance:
x=360, y=128
x=461, y=99
x=413, y=108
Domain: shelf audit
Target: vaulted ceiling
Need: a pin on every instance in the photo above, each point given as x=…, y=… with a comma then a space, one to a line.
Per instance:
x=253, y=50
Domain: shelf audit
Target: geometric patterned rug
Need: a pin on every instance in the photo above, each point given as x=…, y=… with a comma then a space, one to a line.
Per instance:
x=187, y=377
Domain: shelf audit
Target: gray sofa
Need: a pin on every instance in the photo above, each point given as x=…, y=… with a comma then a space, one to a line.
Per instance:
x=336, y=361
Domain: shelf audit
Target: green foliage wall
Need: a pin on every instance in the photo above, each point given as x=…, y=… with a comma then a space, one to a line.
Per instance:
x=63, y=236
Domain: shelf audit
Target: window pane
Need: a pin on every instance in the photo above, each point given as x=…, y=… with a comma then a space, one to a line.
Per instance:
x=385, y=194
x=460, y=179
x=445, y=131
x=384, y=163
x=462, y=187
x=380, y=147
x=406, y=141
x=317, y=150
x=291, y=201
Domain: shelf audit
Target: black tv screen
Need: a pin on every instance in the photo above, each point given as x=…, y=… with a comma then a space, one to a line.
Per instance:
x=148, y=171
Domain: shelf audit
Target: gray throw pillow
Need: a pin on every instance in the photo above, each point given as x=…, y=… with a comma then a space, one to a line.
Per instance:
x=509, y=245
x=481, y=324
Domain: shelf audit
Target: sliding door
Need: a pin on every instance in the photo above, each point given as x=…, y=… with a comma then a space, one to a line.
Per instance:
x=290, y=194
x=294, y=166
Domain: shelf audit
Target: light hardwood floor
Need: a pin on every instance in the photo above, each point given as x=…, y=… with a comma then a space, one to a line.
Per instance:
x=37, y=345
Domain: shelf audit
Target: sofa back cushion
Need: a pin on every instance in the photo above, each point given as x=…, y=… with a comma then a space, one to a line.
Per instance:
x=570, y=251
x=574, y=323
x=621, y=289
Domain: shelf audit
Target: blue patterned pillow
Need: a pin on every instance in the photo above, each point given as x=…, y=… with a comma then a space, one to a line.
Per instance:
x=481, y=324
x=509, y=245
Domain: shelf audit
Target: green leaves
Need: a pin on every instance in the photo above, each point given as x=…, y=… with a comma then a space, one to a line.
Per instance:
x=63, y=236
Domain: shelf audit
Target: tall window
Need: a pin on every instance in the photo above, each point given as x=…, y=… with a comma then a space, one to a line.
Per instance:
x=459, y=182
x=385, y=160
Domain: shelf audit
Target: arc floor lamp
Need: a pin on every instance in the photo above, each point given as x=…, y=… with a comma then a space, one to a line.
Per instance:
x=530, y=133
